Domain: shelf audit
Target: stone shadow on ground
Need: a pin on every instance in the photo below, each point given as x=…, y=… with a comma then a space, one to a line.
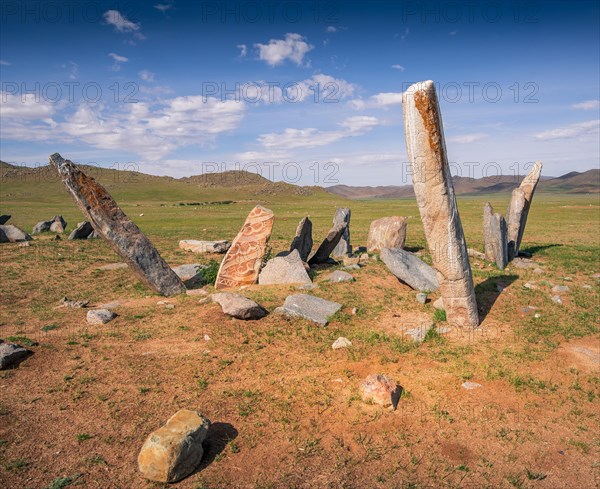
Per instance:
x=413, y=249
x=487, y=292
x=532, y=250
x=217, y=438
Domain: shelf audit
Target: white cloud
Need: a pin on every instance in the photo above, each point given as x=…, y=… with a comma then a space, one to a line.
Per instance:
x=312, y=137
x=74, y=70
x=120, y=22
x=467, y=138
x=587, y=105
x=4, y=63
x=294, y=47
x=398, y=67
x=25, y=106
x=378, y=101
x=117, y=61
x=452, y=33
x=146, y=75
x=243, y=50
x=405, y=35
x=572, y=131
x=163, y=7
x=331, y=29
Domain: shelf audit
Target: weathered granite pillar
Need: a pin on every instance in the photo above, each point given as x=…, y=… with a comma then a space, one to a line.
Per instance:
x=518, y=209
x=303, y=241
x=432, y=183
x=121, y=233
x=342, y=217
x=494, y=236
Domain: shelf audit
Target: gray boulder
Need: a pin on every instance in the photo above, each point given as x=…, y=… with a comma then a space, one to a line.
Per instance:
x=310, y=307
x=238, y=306
x=100, y=316
x=339, y=276
x=14, y=234
x=410, y=269
x=4, y=218
x=41, y=227
x=11, y=355
x=82, y=231
x=58, y=224
x=288, y=269
x=191, y=274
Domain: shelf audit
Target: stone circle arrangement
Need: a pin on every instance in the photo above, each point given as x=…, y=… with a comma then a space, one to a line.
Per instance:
x=175, y=450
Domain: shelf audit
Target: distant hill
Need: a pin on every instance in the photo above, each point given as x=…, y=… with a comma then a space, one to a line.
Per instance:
x=572, y=183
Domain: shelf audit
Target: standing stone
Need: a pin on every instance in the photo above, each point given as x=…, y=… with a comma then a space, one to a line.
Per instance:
x=518, y=209
x=58, y=225
x=242, y=262
x=409, y=268
x=41, y=227
x=327, y=246
x=303, y=241
x=494, y=236
x=432, y=183
x=288, y=269
x=82, y=231
x=112, y=224
x=14, y=234
x=342, y=218
x=174, y=451
x=387, y=232
x=4, y=218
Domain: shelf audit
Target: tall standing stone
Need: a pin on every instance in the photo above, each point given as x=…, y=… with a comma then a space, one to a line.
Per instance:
x=518, y=209
x=494, y=236
x=387, y=232
x=432, y=183
x=122, y=234
x=327, y=246
x=342, y=218
x=303, y=241
x=242, y=262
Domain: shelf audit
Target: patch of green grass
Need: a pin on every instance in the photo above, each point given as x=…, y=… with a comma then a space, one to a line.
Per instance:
x=21, y=340
x=439, y=315
x=49, y=327
x=61, y=482
x=209, y=274
x=83, y=437
x=535, y=476
x=17, y=464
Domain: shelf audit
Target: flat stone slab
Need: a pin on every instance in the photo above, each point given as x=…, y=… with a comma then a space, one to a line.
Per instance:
x=288, y=269
x=410, y=269
x=310, y=307
x=11, y=355
x=339, y=276
x=100, y=316
x=238, y=306
x=196, y=246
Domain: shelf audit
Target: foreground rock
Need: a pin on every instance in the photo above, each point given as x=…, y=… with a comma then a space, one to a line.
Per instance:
x=242, y=262
x=191, y=274
x=341, y=342
x=11, y=355
x=387, y=232
x=303, y=241
x=174, y=451
x=41, y=227
x=495, y=237
x=196, y=246
x=4, y=219
x=339, y=276
x=381, y=390
x=82, y=231
x=342, y=218
x=288, y=269
x=58, y=225
x=310, y=307
x=112, y=224
x=238, y=306
x=434, y=192
x=327, y=246
x=14, y=234
x=518, y=209
x=409, y=268
x=100, y=316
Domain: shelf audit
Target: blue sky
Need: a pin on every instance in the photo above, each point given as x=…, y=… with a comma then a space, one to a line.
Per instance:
x=174, y=86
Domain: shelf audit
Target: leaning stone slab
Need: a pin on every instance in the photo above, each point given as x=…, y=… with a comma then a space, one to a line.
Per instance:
x=494, y=236
x=82, y=231
x=327, y=246
x=242, y=262
x=121, y=232
x=14, y=234
x=303, y=241
x=433, y=188
x=288, y=269
x=381, y=390
x=4, y=218
x=409, y=268
x=174, y=451
x=41, y=227
x=518, y=209
x=11, y=354
x=196, y=246
x=342, y=218
x=238, y=306
x=310, y=307
x=387, y=232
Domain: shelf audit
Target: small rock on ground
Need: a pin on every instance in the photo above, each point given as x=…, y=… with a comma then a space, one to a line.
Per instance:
x=339, y=276
x=556, y=299
x=421, y=298
x=381, y=390
x=557, y=289
x=238, y=306
x=100, y=316
x=470, y=385
x=439, y=303
x=341, y=342
x=11, y=354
